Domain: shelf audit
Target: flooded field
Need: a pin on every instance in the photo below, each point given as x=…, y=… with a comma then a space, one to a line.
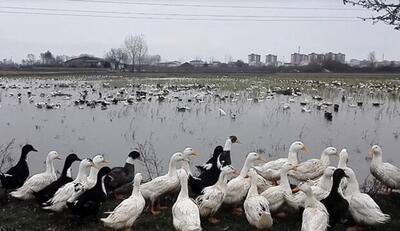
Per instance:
x=113, y=115
x=164, y=115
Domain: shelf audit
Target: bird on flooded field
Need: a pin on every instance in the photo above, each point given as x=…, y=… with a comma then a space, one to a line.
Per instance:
x=256, y=207
x=313, y=168
x=315, y=216
x=362, y=207
x=210, y=171
x=59, y=201
x=39, y=181
x=335, y=204
x=237, y=187
x=185, y=213
x=276, y=194
x=89, y=202
x=213, y=196
x=126, y=213
x=321, y=189
x=48, y=192
x=16, y=176
x=122, y=175
x=271, y=169
x=386, y=173
x=153, y=189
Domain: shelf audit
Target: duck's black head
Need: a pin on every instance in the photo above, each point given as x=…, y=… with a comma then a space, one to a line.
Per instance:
x=28, y=148
x=103, y=171
x=338, y=174
x=134, y=155
x=218, y=150
x=234, y=139
x=71, y=158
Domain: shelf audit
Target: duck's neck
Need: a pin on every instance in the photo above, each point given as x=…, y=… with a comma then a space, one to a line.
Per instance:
x=292, y=157
x=136, y=189
x=253, y=191
x=82, y=174
x=222, y=180
x=352, y=186
x=184, y=190
x=325, y=182
x=335, y=186
x=325, y=159
x=342, y=162
x=50, y=167
x=23, y=156
x=64, y=172
x=247, y=165
x=284, y=180
x=186, y=167
x=130, y=160
x=93, y=173
x=172, y=168
x=376, y=158
x=228, y=145
x=311, y=201
x=100, y=184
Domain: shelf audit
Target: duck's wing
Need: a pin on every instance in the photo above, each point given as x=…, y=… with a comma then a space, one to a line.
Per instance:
x=309, y=169
x=314, y=219
x=63, y=194
x=211, y=198
x=256, y=206
x=392, y=173
x=366, y=207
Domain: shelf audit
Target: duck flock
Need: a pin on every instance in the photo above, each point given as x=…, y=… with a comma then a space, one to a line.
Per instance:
x=261, y=189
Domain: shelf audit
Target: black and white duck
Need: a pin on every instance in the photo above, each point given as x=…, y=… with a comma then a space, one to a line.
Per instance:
x=90, y=201
x=122, y=175
x=336, y=205
x=48, y=192
x=16, y=176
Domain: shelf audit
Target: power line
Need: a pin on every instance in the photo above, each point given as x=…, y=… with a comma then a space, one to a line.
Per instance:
x=175, y=18
x=215, y=6
x=175, y=14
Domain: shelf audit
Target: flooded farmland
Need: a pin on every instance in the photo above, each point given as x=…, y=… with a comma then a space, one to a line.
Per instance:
x=113, y=115
x=91, y=115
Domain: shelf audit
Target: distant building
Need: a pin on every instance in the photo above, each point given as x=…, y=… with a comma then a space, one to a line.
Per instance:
x=298, y=59
x=170, y=64
x=340, y=58
x=254, y=59
x=197, y=63
x=314, y=58
x=87, y=61
x=271, y=60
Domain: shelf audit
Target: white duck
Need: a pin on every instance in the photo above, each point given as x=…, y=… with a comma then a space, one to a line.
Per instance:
x=163, y=184
x=361, y=206
x=321, y=190
x=60, y=198
x=39, y=181
x=98, y=162
x=256, y=207
x=315, y=215
x=185, y=213
x=125, y=214
x=213, y=196
x=276, y=194
x=343, y=160
x=238, y=186
x=313, y=168
x=386, y=173
x=271, y=170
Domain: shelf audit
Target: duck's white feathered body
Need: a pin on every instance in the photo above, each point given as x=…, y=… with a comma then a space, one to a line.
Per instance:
x=256, y=207
x=315, y=215
x=313, y=168
x=213, y=196
x=362, y=207
x=39, y=181
x=125, y=214
x=386, y=173
x=185, y=213
x=59, y=201
x=271, y=169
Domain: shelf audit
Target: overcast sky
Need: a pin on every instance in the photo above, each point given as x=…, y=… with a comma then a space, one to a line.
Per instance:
x=208, y=39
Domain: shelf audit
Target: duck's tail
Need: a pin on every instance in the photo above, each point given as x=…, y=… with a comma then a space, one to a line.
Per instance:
x=23, y=193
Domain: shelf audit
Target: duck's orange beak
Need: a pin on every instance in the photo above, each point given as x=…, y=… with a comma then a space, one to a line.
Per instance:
x=305, y=149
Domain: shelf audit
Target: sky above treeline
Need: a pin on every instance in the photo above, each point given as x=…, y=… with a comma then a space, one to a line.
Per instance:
x=182, y=30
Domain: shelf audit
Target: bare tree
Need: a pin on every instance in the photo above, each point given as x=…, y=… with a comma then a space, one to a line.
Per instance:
x=372, y=59
x=116, y=56
x=389, y=12
x=136, y=48
x=31, y=59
